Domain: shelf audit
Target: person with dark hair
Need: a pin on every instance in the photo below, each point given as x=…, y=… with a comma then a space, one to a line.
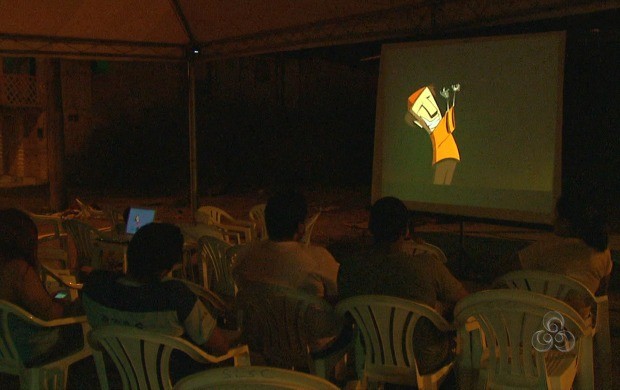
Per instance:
x=21, y=285
x=386, y=268
x=579, y=247
x=145, y=298
x=283, y=259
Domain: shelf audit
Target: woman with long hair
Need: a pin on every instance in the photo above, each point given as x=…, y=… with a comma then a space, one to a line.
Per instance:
x=21, y=285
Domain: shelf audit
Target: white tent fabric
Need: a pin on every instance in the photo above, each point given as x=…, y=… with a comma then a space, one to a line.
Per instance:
x=166, y=29
x=156, y=29
x=171, y=29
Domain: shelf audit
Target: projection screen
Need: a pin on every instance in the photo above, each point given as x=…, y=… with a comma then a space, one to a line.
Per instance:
x=472, y=127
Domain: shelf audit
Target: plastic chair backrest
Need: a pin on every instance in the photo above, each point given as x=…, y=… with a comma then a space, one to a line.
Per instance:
x=253, y=377
x=10, y=361
x=257, y=215
x=209, y=214
x=387, y=324
x=216, y=268
x=88, y=211
x=239, y=230
x=281, y=323
x=413, y=248
x=50, y=374
x=515, y=325
x=578, y=296
x=54, y=222
x=83, y=234
x=142, y=357
x=552, y=284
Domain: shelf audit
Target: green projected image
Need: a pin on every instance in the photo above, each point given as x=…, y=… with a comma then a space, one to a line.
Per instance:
x=472, y=127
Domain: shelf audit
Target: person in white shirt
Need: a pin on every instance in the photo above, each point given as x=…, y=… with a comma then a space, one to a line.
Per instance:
x=283, y=260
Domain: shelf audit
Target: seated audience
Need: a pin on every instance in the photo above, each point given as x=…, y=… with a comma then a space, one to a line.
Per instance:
x=579, y=247
x=21, y=285
x=283, y=260
x=145, y=298
x=386, y=268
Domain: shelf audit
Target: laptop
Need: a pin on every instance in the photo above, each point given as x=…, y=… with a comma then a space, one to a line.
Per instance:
x=137, y=218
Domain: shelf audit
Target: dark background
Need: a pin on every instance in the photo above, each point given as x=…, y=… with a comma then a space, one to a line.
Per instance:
x=306, y=118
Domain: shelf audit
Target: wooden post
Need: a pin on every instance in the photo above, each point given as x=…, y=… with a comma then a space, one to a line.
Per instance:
x=55, y=136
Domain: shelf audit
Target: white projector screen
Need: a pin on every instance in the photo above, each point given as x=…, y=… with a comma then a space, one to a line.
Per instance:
x=492, y=148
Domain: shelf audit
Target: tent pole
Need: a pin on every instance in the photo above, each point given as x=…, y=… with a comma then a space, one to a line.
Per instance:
x=193, y=179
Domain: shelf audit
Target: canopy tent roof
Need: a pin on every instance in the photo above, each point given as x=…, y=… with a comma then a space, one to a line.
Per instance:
x=168, y=29
x=172, y=30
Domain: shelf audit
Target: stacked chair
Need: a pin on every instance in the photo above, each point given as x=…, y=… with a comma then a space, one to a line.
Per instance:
x=257, y=215
x=89, y=244
x=234, y=230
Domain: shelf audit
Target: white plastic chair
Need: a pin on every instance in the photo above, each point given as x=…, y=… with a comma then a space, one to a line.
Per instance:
x=413, y=248
x=254, y=377
x=87, y=211
x=512, y=339
x=56, y=280
x=257, y=215
x=386, y=324
x=579, y=297
x=53, y=222
x=215, y=266
x=211, y=215
x=310, y=224
x=83, y=236
x=142, y=357
x=47, y=375
x=283, y=324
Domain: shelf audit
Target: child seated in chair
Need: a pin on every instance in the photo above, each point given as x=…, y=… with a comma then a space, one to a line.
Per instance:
x=147, y=299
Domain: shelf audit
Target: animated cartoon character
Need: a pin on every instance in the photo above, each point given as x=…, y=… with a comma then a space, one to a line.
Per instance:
x=423, y=111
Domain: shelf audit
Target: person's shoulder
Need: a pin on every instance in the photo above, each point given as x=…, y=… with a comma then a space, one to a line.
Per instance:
x=253, y=245
x=422, y=262
x=251, y=249
x=319, y=252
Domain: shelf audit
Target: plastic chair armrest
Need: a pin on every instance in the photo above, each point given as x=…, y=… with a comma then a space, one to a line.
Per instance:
x=208, y=295
x=61, y=321
x=45, y=270
x=239, y=353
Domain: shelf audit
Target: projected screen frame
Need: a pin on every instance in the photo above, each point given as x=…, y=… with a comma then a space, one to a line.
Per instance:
x=507, y=204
